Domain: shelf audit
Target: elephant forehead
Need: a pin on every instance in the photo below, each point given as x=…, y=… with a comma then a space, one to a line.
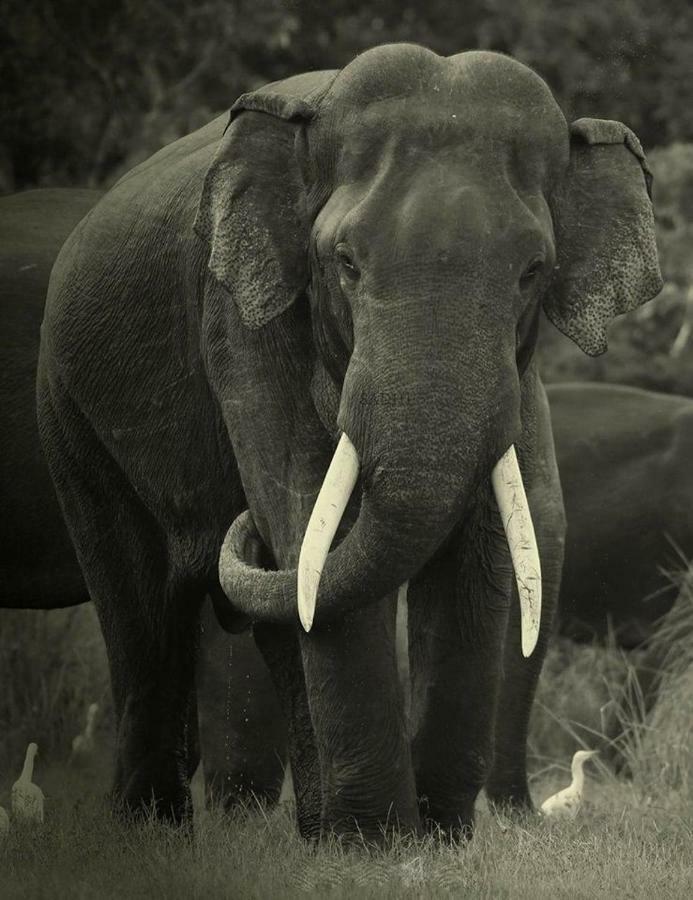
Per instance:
x=443, y=154
x=408, y=96
x=409, y=71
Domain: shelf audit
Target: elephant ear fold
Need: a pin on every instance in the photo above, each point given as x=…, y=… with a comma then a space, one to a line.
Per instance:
x=606, y=254
x=252, y=210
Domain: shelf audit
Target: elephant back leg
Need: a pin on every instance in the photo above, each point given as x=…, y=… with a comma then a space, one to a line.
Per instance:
x=147, y=604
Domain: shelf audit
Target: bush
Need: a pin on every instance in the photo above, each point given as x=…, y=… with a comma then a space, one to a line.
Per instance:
x=52, y=666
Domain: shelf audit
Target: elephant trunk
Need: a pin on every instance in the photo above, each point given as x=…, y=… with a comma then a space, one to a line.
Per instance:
x=400, y=525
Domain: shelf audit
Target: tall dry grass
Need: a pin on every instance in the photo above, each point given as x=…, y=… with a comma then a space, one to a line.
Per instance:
x=634, y=837
x=52, y=665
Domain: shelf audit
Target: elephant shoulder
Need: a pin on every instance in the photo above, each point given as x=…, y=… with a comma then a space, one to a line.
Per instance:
x=181, y=159
x=129, y=271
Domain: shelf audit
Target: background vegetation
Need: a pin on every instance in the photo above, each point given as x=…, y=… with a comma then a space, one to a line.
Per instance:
x=88, y=88
x=88, y=85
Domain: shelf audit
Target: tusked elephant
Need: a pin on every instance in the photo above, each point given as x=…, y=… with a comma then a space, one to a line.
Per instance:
x=242, y=733
x=356, y=261
x=621, y=541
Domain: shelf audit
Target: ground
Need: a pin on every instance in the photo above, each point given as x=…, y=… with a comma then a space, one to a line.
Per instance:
x=633, y=838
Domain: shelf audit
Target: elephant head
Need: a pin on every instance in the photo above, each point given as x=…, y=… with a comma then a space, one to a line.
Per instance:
x=425, y=208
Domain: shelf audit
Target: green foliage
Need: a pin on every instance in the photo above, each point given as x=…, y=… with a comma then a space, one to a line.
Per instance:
x=88, y=88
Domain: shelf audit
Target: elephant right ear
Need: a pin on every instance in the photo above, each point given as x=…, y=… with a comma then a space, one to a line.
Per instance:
x=606, y=261
x=252, y=210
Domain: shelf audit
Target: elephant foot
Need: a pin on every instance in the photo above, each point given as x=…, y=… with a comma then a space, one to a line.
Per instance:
x=511, y=800
x=454, y=824
x=376, y=833
x=154, y=789
x=239, y=789
x=373, y=829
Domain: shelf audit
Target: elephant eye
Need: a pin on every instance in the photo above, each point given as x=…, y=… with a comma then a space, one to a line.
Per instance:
x=346, y=263
x=530, y=274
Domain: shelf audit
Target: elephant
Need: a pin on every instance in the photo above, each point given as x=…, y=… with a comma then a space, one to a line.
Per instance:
x=240, y=720
x=350, y=265
x=38, y=564
x=624, y=457
x=597, y=427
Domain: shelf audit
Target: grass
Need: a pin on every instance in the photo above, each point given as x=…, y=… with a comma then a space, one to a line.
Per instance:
x=634, y=838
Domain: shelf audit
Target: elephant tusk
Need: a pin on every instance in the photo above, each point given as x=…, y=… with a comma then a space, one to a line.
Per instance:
x=324, y=521
x=402, y=648
x=509, y=491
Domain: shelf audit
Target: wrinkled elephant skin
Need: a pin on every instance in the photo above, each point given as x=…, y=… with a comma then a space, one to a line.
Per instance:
x=240, y=722
x=361, y=252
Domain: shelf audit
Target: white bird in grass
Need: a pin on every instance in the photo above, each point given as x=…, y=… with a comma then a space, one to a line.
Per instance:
x=83, y=744
x=566, y=803
x=27, y=797
x=4, y=824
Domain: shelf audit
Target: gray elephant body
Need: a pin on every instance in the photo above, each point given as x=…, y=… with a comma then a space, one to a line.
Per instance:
x=375, y=246
x=240, y=720
x=610, y=440
x=623, y=455
x=38, y=564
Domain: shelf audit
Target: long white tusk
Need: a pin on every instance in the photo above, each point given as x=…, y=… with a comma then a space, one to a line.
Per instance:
x=402, y=648
x=519, y=530
x=324, y=521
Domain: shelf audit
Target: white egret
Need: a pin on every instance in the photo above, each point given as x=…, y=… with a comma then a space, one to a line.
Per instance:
x=567, y=803
x=83, y=744
x=27, y=797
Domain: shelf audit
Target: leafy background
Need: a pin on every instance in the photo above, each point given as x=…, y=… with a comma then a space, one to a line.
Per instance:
x=88, y=88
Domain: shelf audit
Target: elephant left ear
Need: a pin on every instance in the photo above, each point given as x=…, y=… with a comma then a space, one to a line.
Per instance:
x=606, y=253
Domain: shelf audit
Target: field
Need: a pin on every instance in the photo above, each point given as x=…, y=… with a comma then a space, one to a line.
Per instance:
x=634, y=837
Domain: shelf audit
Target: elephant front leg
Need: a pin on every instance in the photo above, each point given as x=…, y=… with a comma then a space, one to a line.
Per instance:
x=356, y=707
x=457, y=618
x=507, y=785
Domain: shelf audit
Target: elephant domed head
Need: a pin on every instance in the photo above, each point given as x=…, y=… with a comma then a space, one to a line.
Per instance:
x=424, y=209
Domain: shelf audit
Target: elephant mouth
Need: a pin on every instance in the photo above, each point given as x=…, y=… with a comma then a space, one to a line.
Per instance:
x=509, y=491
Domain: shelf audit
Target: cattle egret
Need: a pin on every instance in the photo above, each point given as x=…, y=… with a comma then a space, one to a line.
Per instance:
x=83, y=744
x=4, y=824
x=27, y=797
x=567, y=803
